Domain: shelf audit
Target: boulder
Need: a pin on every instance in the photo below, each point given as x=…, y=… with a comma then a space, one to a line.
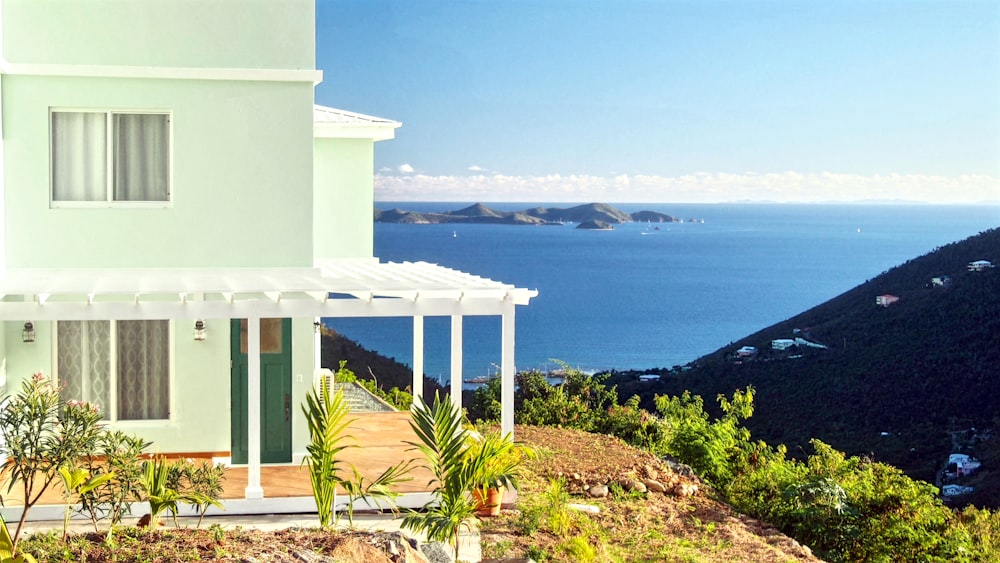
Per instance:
x=633, y=485
x=654, y=486
x=685, y=489
x=598, y=491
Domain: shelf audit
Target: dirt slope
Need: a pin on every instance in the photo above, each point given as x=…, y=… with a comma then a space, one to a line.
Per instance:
x=683, y=524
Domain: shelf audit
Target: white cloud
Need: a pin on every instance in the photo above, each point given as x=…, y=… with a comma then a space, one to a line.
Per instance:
x=405, y=169
x=476, y=168
x=702, y=187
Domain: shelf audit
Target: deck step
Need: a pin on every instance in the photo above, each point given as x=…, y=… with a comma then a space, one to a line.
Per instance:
x=359, y=399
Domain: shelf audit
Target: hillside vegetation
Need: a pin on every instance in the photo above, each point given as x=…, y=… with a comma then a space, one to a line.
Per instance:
x=894, y=381
x=844, y=508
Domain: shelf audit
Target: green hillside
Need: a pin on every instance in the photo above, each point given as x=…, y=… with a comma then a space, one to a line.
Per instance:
x=893, y=380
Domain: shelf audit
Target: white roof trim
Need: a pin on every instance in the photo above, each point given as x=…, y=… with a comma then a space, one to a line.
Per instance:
x=169, y=73
x=332, y=123
x=360, y=288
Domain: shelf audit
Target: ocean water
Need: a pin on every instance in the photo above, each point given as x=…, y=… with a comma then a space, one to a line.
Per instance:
x=640, y=298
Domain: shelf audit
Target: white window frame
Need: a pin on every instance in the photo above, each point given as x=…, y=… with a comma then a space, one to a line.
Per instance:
x=109, y=201
x=113, y=379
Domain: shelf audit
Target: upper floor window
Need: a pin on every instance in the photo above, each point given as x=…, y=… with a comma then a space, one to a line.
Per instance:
x=110, y=157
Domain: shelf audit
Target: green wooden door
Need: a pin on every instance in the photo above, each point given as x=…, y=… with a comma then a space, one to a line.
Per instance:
x=275, y=391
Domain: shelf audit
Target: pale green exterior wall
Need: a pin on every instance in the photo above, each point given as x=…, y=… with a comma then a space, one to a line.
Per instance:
x=200, y=398
x=241, y=176
x=22, y=359
x=199, y=370
x=344, y=198
x=276, y=34
x=3, y=360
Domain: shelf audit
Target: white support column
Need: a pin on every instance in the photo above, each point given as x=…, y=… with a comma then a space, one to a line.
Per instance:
x=507, y=368
x=253, y=489
x=317, y=345
x=456, y=360
x=418, y=358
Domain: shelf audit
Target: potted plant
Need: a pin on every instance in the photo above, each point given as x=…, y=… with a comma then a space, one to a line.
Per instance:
x=495, y=461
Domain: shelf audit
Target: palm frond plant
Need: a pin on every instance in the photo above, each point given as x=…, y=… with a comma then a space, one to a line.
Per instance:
x=326, y=416
x=377, y=493
x=8, y=552
x=156, y=479
x=444, y=445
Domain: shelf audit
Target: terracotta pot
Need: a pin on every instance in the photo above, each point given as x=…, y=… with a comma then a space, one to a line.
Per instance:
x=489, y=506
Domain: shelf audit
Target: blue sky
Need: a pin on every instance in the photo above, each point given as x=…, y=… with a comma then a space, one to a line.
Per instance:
x=668, y=101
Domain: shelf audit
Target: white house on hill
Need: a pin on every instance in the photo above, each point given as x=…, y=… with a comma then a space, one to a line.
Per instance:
x=782, y=343
x=178, y=213
x=964, y=465
x=886, y=300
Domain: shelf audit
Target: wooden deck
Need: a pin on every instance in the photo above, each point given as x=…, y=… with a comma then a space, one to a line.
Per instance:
x=381, y=439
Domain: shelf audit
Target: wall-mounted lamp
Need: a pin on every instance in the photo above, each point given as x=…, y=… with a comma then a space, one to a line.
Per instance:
x=28, y=334
x=199, y=330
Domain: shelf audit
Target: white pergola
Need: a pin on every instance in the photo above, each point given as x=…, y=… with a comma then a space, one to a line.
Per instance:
x=332, y=288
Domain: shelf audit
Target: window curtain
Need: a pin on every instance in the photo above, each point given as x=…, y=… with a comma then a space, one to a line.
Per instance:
x=79, y=156
x=83, y=361
x=143, y=370
x=142, y=153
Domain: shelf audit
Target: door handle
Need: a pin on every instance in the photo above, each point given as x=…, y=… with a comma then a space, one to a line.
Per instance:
x=288, y=407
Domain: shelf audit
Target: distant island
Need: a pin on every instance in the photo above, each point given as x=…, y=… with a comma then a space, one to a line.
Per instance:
x=587, y=216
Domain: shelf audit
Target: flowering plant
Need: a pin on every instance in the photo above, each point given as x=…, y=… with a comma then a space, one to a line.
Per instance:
x=43, y=434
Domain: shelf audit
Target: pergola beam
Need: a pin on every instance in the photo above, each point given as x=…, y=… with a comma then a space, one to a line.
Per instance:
x=369, y=289
x=240, y=309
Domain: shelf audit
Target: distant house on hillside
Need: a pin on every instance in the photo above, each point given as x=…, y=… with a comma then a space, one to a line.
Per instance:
x=803, y=342
x=782, y=343
x=941, y=281
x=886, y=300
x=962, y=465
x=955, y=490
x=980, y=265
x=746, y=352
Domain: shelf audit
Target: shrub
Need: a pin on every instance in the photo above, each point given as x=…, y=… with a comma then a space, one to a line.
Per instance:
x=204, y=479
x=122, y=456
x=634, y=425
x=716, y=450
x=43, y=434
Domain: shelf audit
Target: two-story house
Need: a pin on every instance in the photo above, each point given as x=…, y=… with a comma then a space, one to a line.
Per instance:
x=178, y=216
